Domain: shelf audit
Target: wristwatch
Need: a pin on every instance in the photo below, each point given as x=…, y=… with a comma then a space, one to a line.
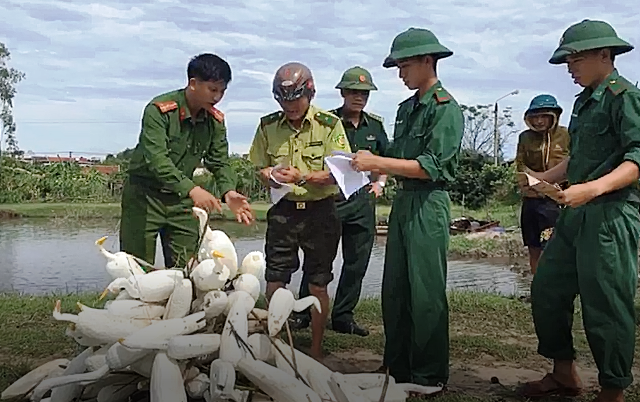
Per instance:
x=301, y=182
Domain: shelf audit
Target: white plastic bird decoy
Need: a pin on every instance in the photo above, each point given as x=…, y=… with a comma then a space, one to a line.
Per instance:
x=254, y=264
x=249, y=284
x=120, y=264
x=155, y=286
x=210, y=274
x=215, y=240
x=282, y=303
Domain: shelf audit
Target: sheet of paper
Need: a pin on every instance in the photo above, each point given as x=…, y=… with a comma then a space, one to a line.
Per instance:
x=347, y=178
x=543, y=187
x=278, y=193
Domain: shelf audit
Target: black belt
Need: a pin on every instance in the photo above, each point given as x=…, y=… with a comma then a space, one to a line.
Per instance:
x=304, y=205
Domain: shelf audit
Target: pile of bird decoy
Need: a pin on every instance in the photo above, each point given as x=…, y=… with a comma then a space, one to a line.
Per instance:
x=175, y=335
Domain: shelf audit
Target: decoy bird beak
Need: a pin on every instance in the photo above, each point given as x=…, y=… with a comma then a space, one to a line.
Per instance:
x=217, y=254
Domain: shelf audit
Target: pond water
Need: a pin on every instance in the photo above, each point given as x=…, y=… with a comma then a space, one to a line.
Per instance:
x=44, y=256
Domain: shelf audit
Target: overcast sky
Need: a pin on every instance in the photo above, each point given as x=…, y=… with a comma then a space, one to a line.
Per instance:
x=91, y=67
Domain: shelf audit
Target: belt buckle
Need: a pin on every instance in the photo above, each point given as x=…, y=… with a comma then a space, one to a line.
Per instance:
x=400, y=185
x=301, y=205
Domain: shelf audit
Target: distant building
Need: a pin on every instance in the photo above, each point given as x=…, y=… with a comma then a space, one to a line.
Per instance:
x=85, y=163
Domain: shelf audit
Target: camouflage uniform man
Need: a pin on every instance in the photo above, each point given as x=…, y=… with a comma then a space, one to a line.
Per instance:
x=593, y=251
x=423, y=156
x=544, y=145
x=290, y=145
x=358, y=216
x=179, y=129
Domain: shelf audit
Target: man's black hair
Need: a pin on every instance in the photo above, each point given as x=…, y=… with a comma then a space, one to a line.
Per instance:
x=209, y=67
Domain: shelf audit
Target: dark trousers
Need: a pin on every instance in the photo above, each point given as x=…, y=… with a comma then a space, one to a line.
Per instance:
x=357, y=217
x=312, y=226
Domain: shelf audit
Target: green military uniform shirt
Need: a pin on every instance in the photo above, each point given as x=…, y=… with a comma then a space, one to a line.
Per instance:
x=173, y=143
x=276, y=142
x=605, y=130
x=429, y=130
x=370, y=134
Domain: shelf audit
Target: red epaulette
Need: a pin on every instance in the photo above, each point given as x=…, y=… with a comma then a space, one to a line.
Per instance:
x=166, y=106
x=218, y=115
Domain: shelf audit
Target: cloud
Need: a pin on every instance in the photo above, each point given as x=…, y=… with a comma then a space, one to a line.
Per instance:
x=92, y=66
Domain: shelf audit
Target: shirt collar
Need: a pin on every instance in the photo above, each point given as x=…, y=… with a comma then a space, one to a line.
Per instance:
x=185, y=113
x=364, y=119
x=596, y=94
x=307, y=117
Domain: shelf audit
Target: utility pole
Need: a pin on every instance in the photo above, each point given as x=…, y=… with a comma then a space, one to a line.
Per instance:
x=496, y=134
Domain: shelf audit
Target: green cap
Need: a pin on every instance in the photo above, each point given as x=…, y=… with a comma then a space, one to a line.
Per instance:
x=415, y=42
x=588, y=35
x=357, y=78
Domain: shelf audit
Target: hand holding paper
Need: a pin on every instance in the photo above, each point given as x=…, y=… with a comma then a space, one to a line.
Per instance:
x=278, y=189
x=550, y=190
x=347, y=178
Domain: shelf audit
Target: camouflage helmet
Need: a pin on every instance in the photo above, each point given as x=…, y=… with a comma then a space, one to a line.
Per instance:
x=415, y=42
x=542, y=103
x=292, y=81
x=588, y=35
x=357, y=78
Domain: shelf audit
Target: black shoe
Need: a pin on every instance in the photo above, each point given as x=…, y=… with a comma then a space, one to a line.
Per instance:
x=297, y=323
x=349, y=327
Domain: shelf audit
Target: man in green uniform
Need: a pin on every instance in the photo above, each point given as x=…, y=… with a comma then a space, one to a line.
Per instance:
x=289, y=147
x=593, y=251
x=179, y=129
x=423, y=156
x=364, y=131
x=544, y=145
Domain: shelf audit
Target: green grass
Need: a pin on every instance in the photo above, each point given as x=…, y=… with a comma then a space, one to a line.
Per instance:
x=485, y=330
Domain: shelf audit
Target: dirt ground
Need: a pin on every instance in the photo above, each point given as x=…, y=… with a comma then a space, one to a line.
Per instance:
x=473, y=378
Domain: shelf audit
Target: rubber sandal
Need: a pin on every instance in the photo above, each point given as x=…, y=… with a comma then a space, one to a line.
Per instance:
x=535, y=389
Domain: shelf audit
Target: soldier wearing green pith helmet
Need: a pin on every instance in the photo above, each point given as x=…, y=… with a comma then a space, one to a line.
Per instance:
x=423, y=157
x=357, y=214
x=593, y=250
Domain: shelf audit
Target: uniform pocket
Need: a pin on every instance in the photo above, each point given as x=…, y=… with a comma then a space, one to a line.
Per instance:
x=278, y=153
x=313, y=157
x=596, y=137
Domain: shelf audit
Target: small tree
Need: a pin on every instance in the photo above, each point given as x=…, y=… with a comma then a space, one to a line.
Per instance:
x=479, y=129
x=9, y=77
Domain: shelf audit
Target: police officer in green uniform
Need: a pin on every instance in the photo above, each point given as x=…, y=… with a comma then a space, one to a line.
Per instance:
x=364, y=131
x=423, y=156
x=544, y=145
x=593, y=251
x=289, y=147
x=179, y=129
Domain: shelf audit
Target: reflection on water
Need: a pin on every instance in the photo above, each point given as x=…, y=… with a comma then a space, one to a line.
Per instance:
x=42, y=256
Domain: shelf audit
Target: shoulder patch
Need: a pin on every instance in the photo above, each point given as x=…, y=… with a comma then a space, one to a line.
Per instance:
x=166, y=106
x=270, y=118
x=619, y=85
x=442, y=96
x=326, y=119
x=217, y=114
x=376, y=117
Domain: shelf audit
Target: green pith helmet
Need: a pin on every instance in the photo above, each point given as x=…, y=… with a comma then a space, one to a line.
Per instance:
x=588, y=35
x=543, y=102
x=357, y=78
x=415, y=42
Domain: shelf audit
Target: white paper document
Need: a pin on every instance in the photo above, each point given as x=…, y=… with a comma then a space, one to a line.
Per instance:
x=278, y=193
x=347, y=178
